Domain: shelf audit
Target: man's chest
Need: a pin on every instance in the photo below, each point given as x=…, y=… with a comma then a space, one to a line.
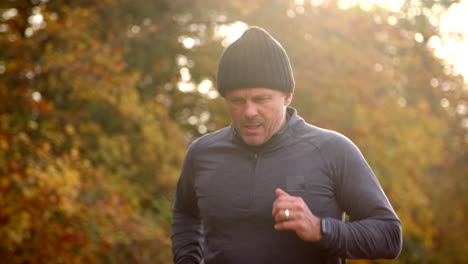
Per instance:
x=243, y=185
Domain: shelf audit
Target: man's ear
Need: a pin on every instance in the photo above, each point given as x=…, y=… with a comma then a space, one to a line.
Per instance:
x=287, y=98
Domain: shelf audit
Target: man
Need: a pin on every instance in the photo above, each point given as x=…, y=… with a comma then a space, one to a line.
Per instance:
x=271, y=188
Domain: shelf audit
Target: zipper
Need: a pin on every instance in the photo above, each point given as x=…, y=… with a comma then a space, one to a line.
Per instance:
x=253, y=180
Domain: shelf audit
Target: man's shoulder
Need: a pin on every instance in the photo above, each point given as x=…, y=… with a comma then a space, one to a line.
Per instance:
x=220, y=136
x=331, y=144
x=320, y=136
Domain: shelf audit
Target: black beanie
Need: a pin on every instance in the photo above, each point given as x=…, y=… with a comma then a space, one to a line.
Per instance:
x=255, y=60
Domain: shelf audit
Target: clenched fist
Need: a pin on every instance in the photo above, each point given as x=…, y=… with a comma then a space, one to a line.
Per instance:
x=292, y=213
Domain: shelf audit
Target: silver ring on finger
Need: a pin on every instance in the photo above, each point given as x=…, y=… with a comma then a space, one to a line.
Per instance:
x=286, y=214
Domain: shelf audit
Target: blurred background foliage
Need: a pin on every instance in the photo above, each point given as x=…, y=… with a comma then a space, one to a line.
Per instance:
x=99, y=99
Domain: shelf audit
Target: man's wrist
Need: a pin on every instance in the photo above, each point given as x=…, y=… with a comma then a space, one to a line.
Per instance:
x=324, y=227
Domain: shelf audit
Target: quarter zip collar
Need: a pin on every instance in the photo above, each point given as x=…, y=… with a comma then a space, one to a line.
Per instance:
x=277, y=140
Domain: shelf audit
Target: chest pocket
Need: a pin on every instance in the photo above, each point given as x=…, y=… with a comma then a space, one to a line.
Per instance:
x=315, y=189
x=295, y=183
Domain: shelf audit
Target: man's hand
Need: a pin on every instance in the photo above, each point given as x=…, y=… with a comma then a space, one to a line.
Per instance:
x=300, y=219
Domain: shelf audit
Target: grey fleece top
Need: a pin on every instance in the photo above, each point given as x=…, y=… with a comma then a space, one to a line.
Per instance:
x=224, y=198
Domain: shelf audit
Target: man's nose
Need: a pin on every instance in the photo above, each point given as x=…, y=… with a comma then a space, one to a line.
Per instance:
x=250, y=110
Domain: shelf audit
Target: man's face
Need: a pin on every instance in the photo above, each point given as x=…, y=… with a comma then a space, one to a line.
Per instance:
x=257, y=113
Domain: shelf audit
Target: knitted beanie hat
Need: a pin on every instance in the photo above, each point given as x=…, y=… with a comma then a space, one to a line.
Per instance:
x=255, y=60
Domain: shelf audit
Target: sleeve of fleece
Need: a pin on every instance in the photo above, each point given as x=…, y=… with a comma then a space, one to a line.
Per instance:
x=187, y=230
x=374, y=230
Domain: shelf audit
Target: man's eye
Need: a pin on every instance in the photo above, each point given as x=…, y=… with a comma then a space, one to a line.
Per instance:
x=262, y=99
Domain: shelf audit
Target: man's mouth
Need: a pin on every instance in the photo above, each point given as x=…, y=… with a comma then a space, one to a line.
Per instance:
x=252, y=128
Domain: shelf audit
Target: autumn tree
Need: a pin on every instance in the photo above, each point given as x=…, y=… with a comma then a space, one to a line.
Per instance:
x=88, y=164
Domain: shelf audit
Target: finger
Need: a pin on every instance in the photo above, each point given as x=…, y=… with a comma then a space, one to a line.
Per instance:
x=283, y=204
x=279, y=192
x=283, y=200
x=283, y=197
x=287, y=202
x=284, y=215
x=286, y=225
